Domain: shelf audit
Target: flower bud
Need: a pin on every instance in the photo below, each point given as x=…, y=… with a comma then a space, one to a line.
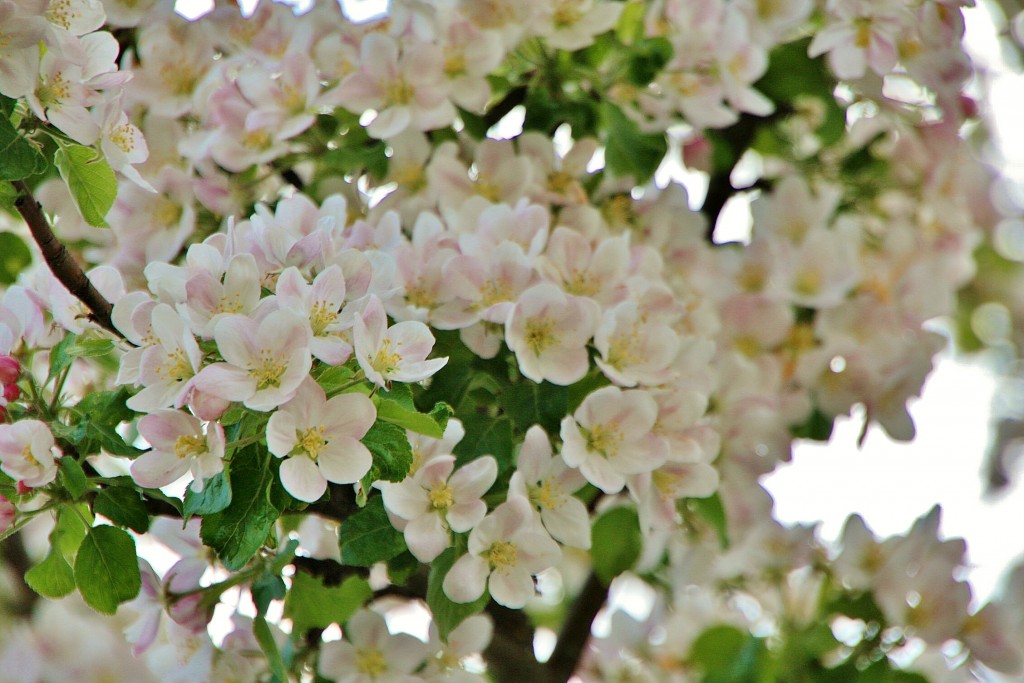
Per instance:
x=11, y=392
x=10, y=370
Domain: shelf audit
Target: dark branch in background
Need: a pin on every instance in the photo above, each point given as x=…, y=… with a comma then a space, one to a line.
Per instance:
x=339, y=507
x=576, y=629
x=62, y=263
x=733, y=142
x=512, y=99
x=292, y=178
x=13, y=555
x=509, y=655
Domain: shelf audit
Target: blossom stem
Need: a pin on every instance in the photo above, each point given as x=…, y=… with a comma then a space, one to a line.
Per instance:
x=59, y=259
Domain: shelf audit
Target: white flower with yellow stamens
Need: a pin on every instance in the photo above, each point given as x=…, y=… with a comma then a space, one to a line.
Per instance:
x=320, y=439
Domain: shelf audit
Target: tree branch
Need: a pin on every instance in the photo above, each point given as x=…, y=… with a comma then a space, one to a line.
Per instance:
x=59, y=259
x=12, y=552
x=509, y=655
x=340, y=506
x=512, y=99
x=576, y=629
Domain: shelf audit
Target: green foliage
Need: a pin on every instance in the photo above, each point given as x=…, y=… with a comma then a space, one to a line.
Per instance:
x=14, y=255
x=392, y=454
x=123, y=506
x=646, y=59
x=54, y=577
x=107, y=568
x=711, y=511
x=367, y=537
x=90, y=179
x=265, y=637
x=215, y=496
x=98, y=416
x=238, y=531
x=397, y=407
x=629, y=151
x=617, y=543
x=19, y=158
x=448, y=614
x=311, y=604
x=72, y=477
x=486, y=435
x=817, y=427
x=728, y=655
x=527, y=403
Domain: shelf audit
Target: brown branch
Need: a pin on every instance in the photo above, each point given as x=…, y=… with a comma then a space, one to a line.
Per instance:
x=576, y=629
x=340, y=506
x=509, y=655
x=59, y=259
x=12, y=553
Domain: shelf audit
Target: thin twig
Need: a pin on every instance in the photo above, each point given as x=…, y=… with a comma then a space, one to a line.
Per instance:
x=59, y=259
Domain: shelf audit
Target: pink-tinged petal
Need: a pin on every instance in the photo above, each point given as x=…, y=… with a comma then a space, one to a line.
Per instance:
x=464, y=516
x=568, y=523
x=390, y=122
x=281, y=433
x=329, y=286
x=337, y=659
x=426, y=537
x=344, y=460
x=405, y=499
x=331, y=350
x=156, y=396
x=511, y=588
x=301, y=478
x=565, y=366
x=367, y=628
x=379, y=55
x=416, y=372
x=537, y=551
x=467, y=579
x=154, y=469
x=226, y=382
x=351, y=415
x=601, y=474
x=535, y=455
x=292, y=288
x=436, y=470
x=473, y=480
x=162, y=428
x=236, y=340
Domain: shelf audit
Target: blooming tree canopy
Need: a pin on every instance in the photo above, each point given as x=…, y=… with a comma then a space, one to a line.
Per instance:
x=358, y=320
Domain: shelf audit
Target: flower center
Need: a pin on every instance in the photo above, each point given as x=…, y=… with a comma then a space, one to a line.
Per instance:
x=441, y=496
x=371, y=662
x=540, y=334
x=322, y=315
x=603, y=439
x=547, y=495
x=386, y=361
x=123, y=138
x=189, y=446
x=502, y=555
x=399, y=92
x=311, y=441
x=268, y=371
x=175, y=367
x=26, y=453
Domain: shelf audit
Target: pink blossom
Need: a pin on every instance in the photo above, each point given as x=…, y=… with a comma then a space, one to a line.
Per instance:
x=178, y=445
x=265, y=362
x=371, y=653
x=397, y=352
x=28, y=453
x=434, y=501
x=505, y=550
x=320, y=439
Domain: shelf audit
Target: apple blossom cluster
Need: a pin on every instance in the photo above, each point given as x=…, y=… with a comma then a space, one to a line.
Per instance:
x=54, y=56
x=356, y=302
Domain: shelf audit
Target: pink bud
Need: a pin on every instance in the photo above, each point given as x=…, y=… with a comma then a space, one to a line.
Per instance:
x=10, y=370
x=11, y=392
x=6, y=513
x=23, y=488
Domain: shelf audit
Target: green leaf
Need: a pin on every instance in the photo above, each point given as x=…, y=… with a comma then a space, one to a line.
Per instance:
x=72, y=477
x=70, y=529
x=264, y=636
x=486, y=435
x=19, y=158
x=617, y=543
x=239, y=531
x=61, y=356
x=266, y=589
x=712, y=511
x=124, y=507
x=628, y=151
x=528, y=403
x=448, y=614
x=53, y=577
x=392, y=454
x=817, y=427
x=215, y=496
x=728, y=655
x=367, y=537
x=396, y=406
x=402, y=567
x=646, y=58
x=107, y=568
x=334, y=377
x=91, y=181
x=311, y=604
x=14, y=255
